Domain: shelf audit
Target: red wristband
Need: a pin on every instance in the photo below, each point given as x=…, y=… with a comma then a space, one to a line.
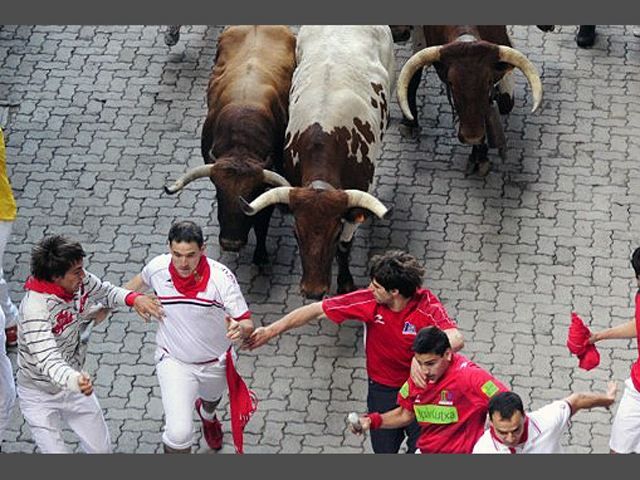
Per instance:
x=376, y=420
x=130, y=298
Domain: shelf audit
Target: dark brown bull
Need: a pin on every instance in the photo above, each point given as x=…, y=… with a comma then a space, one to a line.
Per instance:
x=475, y=64
x=243, y=134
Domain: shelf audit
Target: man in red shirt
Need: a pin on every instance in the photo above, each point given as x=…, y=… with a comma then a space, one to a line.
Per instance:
x=393, y=308
x=451, y=410
x=625, y=431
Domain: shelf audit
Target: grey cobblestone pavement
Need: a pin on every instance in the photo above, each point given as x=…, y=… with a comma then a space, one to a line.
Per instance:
x=98, y=119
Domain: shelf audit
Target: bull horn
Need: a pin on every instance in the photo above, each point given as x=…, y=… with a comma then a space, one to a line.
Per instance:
x=272, y=178
x=423, y=58
x=190, y=176
x=519, y=60
x=271, y=197
x=358, y=198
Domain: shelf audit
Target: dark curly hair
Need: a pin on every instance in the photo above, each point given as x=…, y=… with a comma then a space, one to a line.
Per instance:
x=397, y=269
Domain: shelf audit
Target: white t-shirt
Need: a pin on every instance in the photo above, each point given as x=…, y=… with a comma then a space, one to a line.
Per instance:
x=194, y=330
x=546, y=427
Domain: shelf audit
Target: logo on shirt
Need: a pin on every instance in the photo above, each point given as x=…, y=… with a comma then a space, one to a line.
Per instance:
x=408, y=329
x=489, y=389
x=63, y=319
x=446, y=398
x=378, y=319
x=437, y=414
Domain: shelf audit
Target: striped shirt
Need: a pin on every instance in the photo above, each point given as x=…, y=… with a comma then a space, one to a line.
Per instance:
x=50, y=353
x=194, y=329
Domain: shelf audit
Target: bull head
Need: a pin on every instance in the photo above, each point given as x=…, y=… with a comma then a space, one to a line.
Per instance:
x=469, y=69
x=232, y=179
x=319, y=214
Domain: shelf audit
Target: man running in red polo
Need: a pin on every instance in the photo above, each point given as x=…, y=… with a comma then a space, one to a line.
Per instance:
x=394, y=308
x=451, y=410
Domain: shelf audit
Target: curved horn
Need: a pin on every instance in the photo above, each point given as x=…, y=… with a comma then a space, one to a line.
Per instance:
x=423, y=58
x=272, y=178
x=519, y=60
x=273, y=196
x=358, y=198
x=190, y=176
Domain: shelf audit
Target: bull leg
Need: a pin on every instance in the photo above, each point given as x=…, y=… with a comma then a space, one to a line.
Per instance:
x=505, y=92
x=495, y=132
x=411, y=128
x=478, y=161
x=345, y=280
x=260, y=228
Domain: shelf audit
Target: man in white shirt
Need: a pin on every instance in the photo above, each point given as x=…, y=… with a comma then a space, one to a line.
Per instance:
x=205, y=313
x=512, y=431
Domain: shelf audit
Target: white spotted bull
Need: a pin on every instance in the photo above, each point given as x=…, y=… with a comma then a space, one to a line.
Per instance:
x=339, y=110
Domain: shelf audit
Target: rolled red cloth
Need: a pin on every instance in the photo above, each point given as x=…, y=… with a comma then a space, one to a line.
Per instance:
x=242, y=402
x=578, y=343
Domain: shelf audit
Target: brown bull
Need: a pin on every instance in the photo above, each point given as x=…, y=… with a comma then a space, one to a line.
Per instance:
x=475, y=63
x=243, y=134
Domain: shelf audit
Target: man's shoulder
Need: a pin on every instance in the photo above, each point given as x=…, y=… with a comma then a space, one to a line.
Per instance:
x=557, y=412
x=485, y=444
x=157, y=263
x=36, y=305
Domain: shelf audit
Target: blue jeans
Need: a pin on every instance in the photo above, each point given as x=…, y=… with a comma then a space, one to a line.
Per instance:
x=382, y=398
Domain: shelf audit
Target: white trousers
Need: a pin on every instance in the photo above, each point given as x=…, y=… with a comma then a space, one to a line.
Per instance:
x=7, y=306
x=46, y=412
x=625, y=431
x=180, y=385
x=7, y=387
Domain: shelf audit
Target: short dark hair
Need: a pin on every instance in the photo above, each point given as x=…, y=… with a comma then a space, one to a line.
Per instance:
x=54, y=256
x=635, y=261
x=431, y=340
x=186, y=231
x=506, y=404
x=399, y=270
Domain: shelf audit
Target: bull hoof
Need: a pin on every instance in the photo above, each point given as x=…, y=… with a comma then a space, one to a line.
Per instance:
x=260, y=258
x=502, y=151
x=483, y=168
x=172, y=35
x=345, y=287
x=471, y=166
x=505, y=103
x=410, y=131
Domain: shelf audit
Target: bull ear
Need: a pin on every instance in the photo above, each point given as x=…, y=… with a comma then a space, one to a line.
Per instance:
x=356, y=215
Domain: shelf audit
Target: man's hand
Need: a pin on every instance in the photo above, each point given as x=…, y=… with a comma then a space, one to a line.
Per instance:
x=419, y=378
x=365, y=423
x=237, y=331
x=259, y=337
x=85, y=384
x=148, y=306
x=612, y=389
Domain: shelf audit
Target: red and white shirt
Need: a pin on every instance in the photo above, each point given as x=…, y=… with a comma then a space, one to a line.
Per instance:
x=543, y=433
x=194, y=329
x=452, y=411
x=635, y=369
x=388, y=335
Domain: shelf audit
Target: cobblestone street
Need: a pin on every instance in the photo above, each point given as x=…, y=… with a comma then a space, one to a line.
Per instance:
x=99, y=118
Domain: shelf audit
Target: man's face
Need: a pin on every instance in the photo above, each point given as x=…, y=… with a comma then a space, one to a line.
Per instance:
x=381, y=294
x=508, y=430
x=432, y=365
x=185, y=257
x=71, y=280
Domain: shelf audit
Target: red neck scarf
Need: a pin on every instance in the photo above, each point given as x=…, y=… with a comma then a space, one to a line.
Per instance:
x=42, y=286
x=523, y=438
x=193, y=284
